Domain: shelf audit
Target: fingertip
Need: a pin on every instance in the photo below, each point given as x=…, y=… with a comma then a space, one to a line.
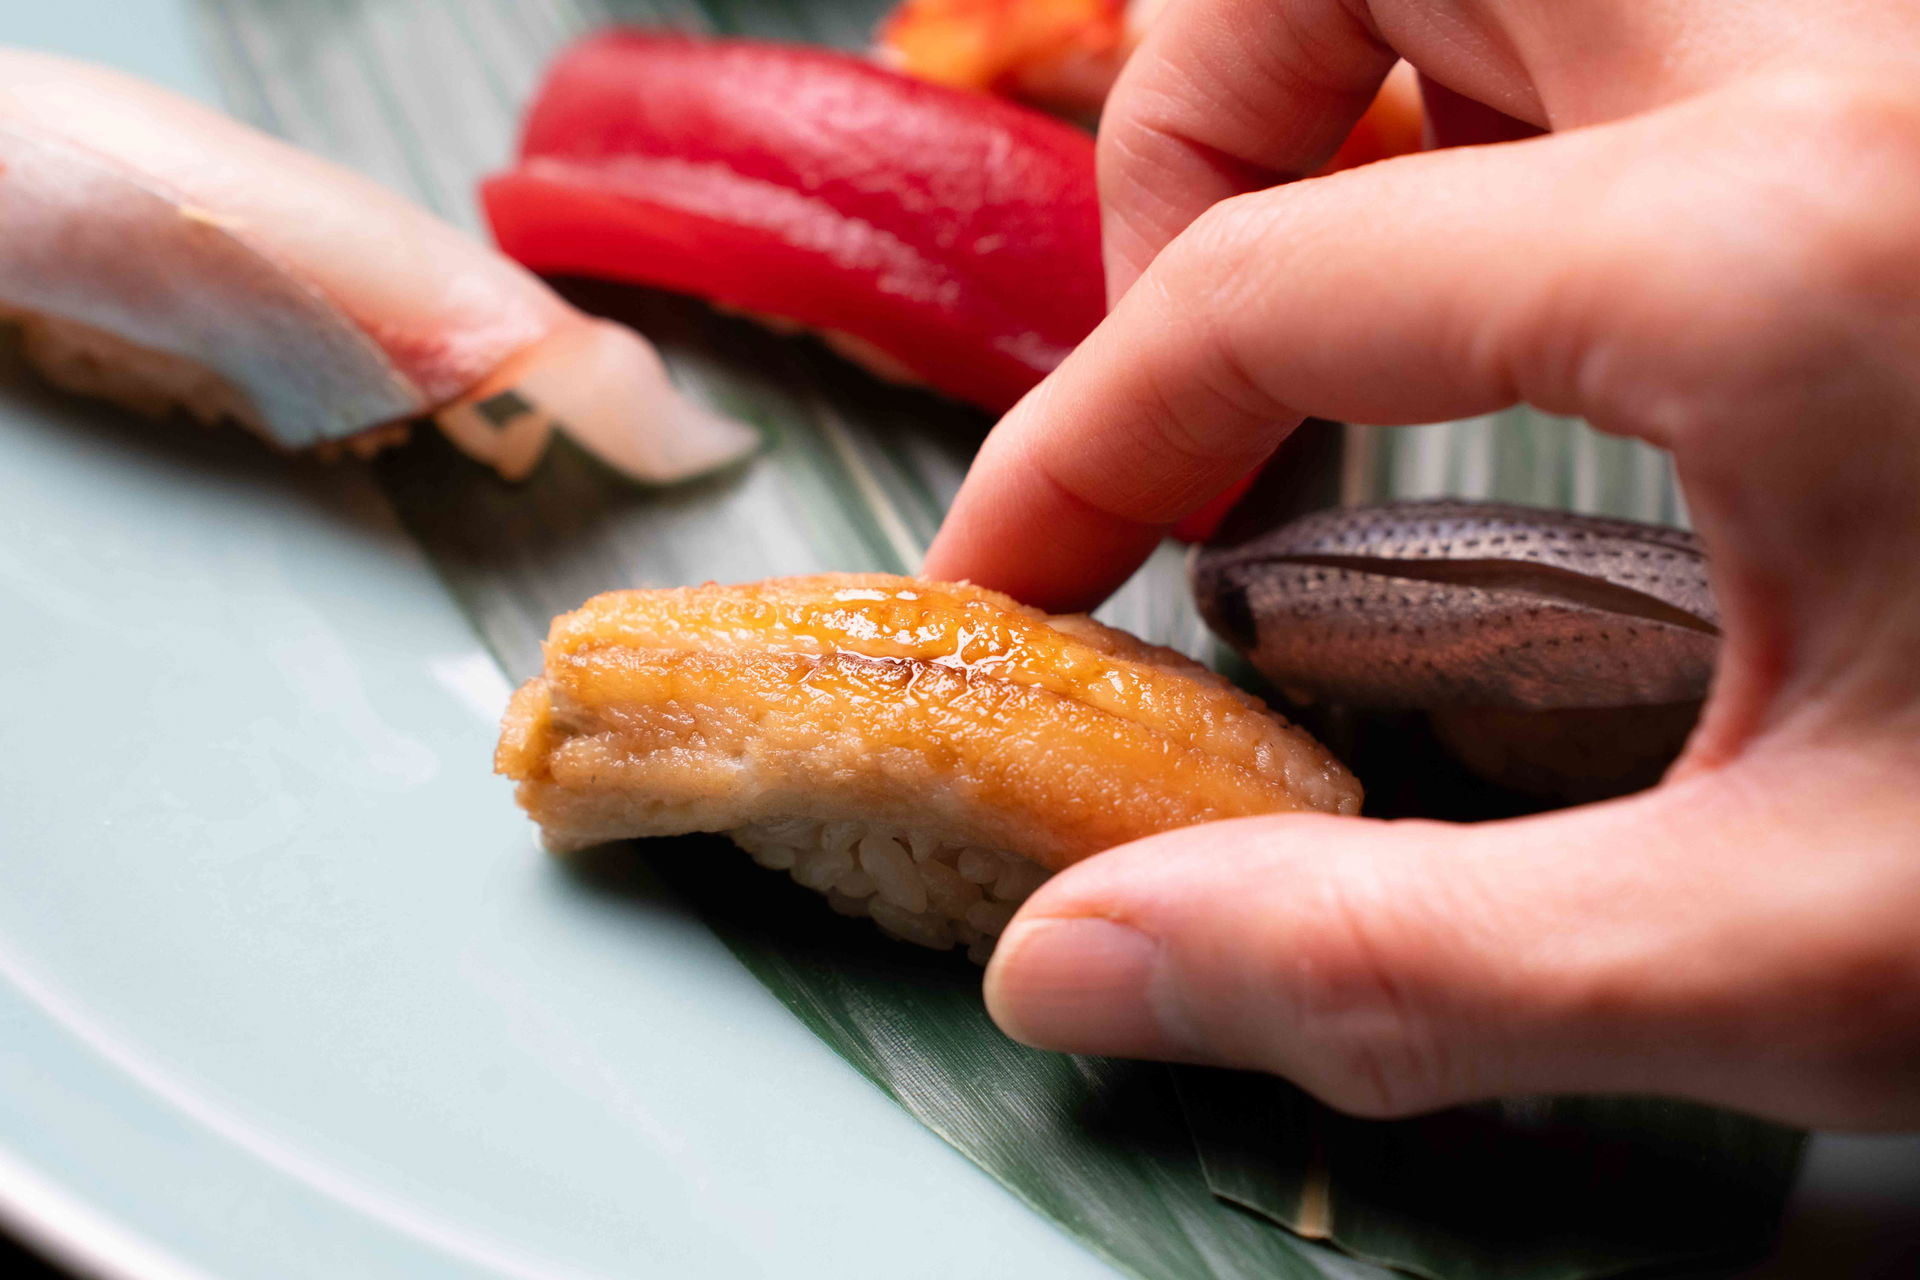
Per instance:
x=1016, y=532
x=1080, y=985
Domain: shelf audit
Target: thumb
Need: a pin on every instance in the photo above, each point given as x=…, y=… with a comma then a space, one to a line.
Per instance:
x=1652, y=945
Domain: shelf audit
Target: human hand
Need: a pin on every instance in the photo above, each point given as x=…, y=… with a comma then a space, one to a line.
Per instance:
x=1714, y=250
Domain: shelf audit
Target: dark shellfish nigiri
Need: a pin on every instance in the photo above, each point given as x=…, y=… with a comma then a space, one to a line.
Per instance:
x=1503, y=621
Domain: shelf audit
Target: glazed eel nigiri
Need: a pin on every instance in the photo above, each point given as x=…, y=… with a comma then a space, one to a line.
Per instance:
x=934, y=234
x=159, y=254
x=924, y=753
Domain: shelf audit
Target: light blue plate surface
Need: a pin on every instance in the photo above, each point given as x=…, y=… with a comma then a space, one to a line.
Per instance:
x=285, y=988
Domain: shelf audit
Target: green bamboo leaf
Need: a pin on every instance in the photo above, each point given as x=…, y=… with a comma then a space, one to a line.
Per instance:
x=424, y=94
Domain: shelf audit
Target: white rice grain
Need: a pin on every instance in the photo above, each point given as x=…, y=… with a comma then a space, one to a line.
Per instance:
x=893, y=871
x=981, y=866
x=946, y=891
x=855, y=884
x=819, y=868
x=928, y=931
x=774, y=856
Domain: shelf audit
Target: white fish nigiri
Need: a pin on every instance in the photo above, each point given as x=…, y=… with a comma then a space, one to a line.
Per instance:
x=157, y=253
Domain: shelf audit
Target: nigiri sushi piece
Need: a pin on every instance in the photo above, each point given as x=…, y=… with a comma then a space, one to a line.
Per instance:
x=159, y=254
x=935, y=235
x=924, y=753
x=1557, y=654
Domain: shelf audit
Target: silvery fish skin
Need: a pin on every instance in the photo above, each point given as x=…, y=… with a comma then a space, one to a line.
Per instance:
x=1441, y=604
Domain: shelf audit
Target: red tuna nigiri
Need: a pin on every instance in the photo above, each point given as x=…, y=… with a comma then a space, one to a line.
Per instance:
x=947, y=235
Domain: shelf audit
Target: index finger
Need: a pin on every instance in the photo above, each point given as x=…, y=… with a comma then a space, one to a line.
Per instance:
x=1419, y=289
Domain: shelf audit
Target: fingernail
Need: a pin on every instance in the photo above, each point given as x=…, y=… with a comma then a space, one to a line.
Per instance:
x=1079, y=985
